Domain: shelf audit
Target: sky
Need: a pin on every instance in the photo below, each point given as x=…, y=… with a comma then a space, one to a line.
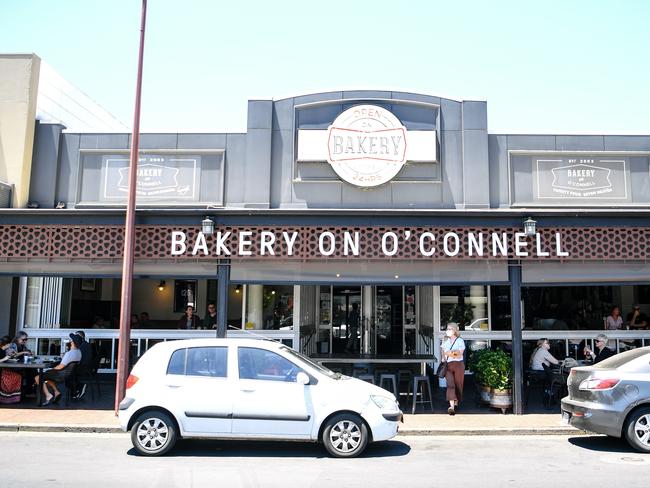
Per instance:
x=560, y=67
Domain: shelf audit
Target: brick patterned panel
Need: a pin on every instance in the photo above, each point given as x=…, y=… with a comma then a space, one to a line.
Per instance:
x=154, y=242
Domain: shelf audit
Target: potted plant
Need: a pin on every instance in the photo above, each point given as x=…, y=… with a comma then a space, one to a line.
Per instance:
x=496, y=373
x=477, y=365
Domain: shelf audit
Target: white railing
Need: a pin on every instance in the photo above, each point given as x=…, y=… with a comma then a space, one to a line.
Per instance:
x=141, y=340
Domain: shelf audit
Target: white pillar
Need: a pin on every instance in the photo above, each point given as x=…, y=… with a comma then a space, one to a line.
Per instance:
x=255, y=305
x=478, y=291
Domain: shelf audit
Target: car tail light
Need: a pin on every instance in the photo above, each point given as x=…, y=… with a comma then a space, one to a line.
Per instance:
x=599, y=384
x=131, y=380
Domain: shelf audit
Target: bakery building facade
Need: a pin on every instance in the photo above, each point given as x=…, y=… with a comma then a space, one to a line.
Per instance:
x=400, y=206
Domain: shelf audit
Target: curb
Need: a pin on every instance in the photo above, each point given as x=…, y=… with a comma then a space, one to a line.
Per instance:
x=85, y=429
x=524, y=431
x=105, y=429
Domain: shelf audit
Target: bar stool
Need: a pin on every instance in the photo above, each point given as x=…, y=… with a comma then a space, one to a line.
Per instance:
x=424, y=381
x=392, y=379
x=370, y=378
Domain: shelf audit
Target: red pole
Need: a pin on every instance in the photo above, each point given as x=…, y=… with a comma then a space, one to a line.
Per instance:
x=129, y=235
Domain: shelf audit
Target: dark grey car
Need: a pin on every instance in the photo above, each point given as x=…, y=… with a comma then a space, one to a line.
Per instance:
x=612, y=397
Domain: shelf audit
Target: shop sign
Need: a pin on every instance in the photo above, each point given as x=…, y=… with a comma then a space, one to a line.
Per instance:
x=351, y=244
x=581, y=178
x=366, y=145
x=158, y=177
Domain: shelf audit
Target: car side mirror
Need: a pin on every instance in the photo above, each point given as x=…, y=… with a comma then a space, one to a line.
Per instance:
x=302, y=378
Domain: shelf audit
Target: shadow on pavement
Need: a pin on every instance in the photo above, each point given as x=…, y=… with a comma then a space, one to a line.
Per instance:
x=261, y=449
x=601, y=443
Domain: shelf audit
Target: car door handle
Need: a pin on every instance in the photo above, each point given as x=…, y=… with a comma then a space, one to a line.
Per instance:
x=173, y=385
x=247, y=390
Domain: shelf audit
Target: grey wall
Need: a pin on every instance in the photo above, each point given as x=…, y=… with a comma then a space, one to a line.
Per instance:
x=260, y=169
x=5, y=303
x=47, y=138
x=512, y=162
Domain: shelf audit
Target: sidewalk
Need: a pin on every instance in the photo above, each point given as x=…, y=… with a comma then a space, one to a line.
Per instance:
x=91, y=421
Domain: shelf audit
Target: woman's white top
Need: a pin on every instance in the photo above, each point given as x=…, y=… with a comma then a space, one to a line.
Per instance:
x=459, y=345
x=540, y=358
x=614, y=323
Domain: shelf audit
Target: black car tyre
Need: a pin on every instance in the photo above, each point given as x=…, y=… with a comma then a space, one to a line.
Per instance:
x=637, y=429
x=345, y=435
x=153, y=433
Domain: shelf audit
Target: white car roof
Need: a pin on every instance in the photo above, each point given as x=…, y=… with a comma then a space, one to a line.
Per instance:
x=179, y=344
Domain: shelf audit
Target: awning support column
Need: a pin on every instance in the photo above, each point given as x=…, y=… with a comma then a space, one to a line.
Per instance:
x=223, y=282
x=514, y=276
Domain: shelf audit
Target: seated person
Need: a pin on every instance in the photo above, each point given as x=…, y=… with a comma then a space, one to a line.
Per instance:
x=541, y=360
x=51, y=376
x=189, y=320
x=603, y=352
x=636, y=319
x=17, y=348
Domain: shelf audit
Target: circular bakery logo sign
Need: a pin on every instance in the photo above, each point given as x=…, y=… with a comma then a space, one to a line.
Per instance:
x=366, y=145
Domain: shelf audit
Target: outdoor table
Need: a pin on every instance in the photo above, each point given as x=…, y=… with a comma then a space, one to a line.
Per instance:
x=39, y=367
x=421, y=359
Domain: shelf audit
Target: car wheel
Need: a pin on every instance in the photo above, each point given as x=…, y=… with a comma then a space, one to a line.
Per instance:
x=637, y=429
x=345, y=435
x=154, y=433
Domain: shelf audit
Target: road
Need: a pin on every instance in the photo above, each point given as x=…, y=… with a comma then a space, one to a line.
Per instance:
x=46, y=460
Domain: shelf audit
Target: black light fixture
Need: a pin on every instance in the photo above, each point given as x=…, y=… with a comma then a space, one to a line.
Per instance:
x=207, y=226
x=530, y=227
x=161, y=285
x=237, y=288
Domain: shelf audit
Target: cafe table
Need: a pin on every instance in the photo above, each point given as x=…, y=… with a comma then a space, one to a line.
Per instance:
x=37, y=366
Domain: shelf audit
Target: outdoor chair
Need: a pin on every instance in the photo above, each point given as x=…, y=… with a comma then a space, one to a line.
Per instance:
x=64, y=385
x=370, y=378
x=425, y=383
x=391, y=380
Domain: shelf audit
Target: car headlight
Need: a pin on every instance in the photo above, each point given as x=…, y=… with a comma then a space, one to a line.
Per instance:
x=384, y=403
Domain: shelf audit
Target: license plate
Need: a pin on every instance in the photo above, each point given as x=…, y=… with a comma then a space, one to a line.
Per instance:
x=566, y=416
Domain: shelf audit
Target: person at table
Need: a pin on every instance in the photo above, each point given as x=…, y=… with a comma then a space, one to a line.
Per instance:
x=18, y=347
x=540, y=363
x=614, y=321
x=56, y=374
x=636, y=319
x=211, y=319
x=189, y=320
x=453, y=351
x=602, y=351
x=145, y=321
x=10, y=380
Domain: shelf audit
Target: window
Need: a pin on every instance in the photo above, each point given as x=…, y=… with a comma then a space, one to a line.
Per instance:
x=177, y=362
x=207, y=361
x=200, y=361
x=258, y=364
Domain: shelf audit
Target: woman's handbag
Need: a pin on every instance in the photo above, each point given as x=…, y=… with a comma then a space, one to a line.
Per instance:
x=442, y=370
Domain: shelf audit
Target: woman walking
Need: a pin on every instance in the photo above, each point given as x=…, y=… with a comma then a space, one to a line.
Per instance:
x=453, y=349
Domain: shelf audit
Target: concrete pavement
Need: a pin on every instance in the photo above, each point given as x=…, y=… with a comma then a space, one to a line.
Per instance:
x=77, y=420
x=108, y=460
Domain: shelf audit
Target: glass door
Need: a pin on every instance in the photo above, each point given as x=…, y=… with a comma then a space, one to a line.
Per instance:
x=389, y=320
x=346, y=320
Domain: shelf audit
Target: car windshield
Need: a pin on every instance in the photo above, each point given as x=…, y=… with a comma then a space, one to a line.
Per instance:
x=624, y=359
x=316, y=366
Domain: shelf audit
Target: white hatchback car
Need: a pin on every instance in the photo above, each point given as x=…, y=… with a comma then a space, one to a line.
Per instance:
x=250, y=389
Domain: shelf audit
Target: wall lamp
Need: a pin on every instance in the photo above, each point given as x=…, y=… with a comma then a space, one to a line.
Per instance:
x=207, y=226
x=161, y=285
x=237, y=288
x=530, y=227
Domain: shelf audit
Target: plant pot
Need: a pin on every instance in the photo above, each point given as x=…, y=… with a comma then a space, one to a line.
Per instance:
x=501, y=399
x=485, y=395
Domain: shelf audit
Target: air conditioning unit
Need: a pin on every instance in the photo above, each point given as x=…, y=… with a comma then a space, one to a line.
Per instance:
x=5, y=194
